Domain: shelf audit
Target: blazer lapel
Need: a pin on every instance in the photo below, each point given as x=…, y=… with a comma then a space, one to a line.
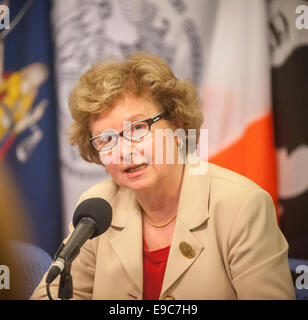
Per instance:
x=192, y=213
x=127, y=244
x=178, y=262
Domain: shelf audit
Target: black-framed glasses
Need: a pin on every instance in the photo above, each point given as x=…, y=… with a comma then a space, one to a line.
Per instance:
x=137, y=130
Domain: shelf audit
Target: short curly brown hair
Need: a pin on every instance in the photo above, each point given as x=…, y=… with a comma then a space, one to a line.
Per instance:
x=141, y=75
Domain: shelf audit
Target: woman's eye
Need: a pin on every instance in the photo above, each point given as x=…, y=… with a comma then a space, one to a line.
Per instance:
x=106, y=139
x=140, y=126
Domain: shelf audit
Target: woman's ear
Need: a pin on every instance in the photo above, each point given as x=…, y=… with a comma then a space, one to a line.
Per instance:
x=180, y=143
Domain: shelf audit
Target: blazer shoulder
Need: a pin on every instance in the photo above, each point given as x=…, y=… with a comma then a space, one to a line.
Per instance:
x=222, y=176
x=105, y=189
x=229, y=190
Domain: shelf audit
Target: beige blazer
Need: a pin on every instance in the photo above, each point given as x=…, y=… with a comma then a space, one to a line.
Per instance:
x=226, y=220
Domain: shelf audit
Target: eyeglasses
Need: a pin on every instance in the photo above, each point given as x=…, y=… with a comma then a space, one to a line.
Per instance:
x=137, y=130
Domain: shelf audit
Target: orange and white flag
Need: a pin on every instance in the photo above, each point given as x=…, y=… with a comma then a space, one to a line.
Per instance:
x=236, y=93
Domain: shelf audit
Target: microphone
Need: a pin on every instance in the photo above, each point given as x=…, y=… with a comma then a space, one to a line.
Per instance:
x=92, y=218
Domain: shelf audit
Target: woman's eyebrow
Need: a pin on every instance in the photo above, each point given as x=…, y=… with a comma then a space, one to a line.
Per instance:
x=136, y=117
x=131, y=119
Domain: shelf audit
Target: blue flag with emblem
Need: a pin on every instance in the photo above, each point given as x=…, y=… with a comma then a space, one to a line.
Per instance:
x=28, y=134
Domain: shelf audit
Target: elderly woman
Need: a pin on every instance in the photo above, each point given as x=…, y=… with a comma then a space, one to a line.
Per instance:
x=176, y=233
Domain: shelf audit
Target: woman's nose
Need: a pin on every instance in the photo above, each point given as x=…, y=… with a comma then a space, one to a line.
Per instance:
x=126, y=150
x=132, y=151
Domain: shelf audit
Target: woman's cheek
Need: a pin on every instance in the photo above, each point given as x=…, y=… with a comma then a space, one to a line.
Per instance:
x=110, y=157
x=115, y=171
x=163, y=147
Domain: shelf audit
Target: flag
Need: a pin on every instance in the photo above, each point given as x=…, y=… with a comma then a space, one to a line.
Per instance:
x=236, y=93
x=289, y=43
x=28, y=130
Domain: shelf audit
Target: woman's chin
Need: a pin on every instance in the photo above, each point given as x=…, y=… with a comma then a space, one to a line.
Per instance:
x=137, y=184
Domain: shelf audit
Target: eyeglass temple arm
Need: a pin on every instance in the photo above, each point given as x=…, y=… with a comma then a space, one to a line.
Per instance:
x=157, y=117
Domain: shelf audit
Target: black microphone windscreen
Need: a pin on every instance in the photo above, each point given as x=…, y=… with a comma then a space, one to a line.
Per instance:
x=97, y=209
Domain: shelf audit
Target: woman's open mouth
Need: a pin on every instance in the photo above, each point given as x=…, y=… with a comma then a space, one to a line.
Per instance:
x=136, y=168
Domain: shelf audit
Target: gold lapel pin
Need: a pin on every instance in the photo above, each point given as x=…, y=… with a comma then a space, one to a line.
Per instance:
x=187, y=250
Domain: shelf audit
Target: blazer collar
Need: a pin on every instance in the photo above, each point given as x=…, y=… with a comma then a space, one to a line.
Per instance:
x=192, y=212
x=124, y=207
x=193, y=202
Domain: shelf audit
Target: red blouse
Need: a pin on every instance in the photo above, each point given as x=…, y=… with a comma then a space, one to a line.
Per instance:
x=154, y=265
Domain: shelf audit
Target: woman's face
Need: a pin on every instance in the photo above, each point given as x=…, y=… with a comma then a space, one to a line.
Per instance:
x=132, y=163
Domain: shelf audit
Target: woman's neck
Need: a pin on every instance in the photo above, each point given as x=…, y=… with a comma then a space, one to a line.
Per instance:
x=160, y=203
